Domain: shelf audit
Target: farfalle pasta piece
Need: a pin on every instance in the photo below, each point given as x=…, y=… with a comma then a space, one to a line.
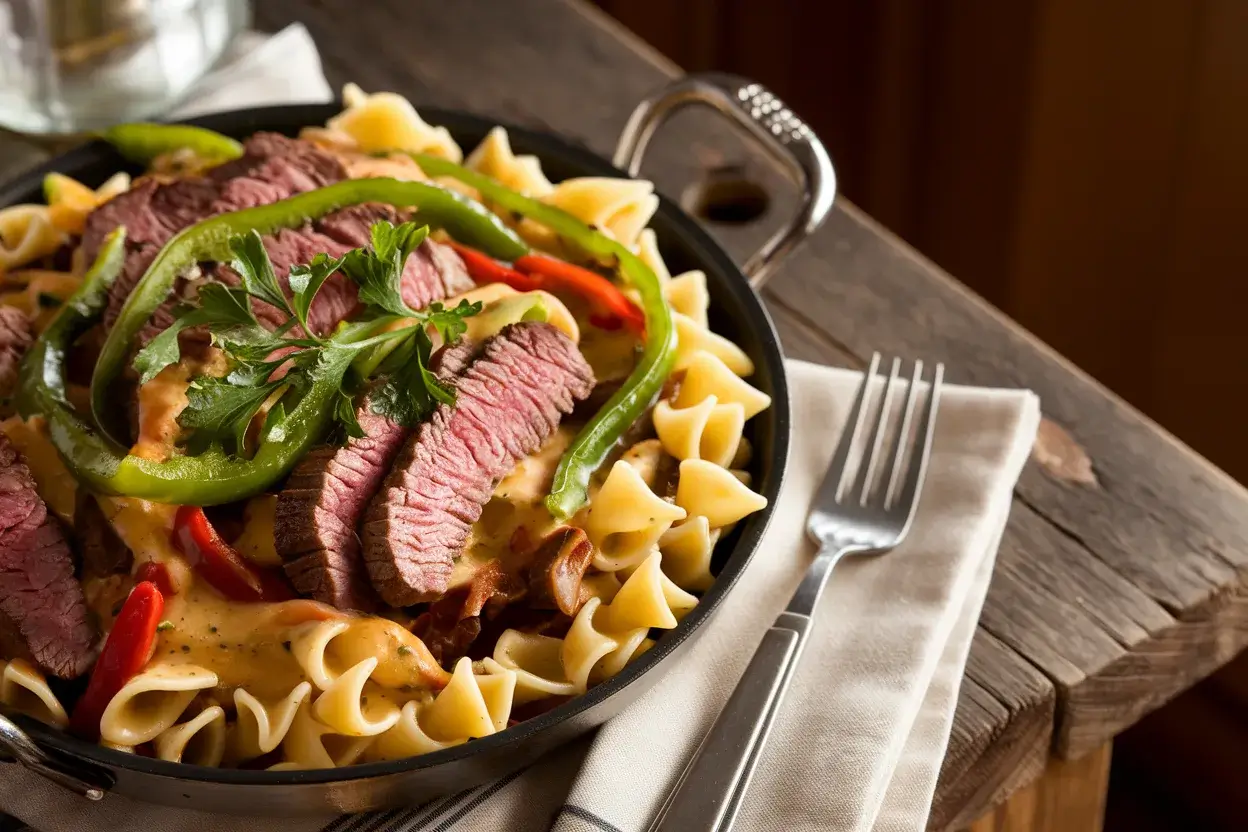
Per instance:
x=24, y=689
x=153, y=702
x=494, y=158
x=648, y=252
x=687, y=550
x=707, y=430
x=693, y=338
x=707, y=375
x=648, y=599
x=587, y=643
x=311, y=744
x=688, y=295
x=407, y=738
x=537, y=662
x=633, y=645
x=471, y=705
x=620, y=208
x=260, y=727
x=707, y=490
x=69, y=201
x=626, y=519
x=327, y=649
x=346, y=708
x=388, y=121
x=199, y=741
x=26, y=234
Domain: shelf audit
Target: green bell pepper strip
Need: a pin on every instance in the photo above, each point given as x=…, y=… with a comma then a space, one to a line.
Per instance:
x=209, y=240
x=595, y=441
x=102, y=464
x=141, y=142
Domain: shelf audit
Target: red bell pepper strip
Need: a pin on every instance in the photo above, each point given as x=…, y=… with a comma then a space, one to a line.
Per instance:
x=218, y=563
x=537, y=271
x=483, y=268
x=560, y=274
x=127, y=649
x=158, y=574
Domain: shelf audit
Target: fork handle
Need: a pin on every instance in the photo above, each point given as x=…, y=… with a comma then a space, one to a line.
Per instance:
x=706, y=797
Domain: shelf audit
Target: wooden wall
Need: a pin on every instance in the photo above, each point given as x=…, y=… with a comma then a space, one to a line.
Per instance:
x=1083, y=165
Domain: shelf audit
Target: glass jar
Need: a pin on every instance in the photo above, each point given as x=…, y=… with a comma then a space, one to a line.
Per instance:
x=68, y=66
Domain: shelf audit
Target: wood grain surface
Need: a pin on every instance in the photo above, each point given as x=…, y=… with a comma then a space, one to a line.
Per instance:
x=1117, y=588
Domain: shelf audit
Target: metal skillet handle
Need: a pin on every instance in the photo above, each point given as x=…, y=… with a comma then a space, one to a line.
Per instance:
x=15, y=744
x=776, y=128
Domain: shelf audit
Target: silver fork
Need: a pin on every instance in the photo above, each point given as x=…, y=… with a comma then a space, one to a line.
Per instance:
x=867, y=516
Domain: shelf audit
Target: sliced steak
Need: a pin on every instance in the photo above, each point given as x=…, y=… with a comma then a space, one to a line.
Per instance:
x=38, y=591
x=432, y=273
x=16, y=336
x=507, y=404
x=100, y=549
x=272, y=167
x=320, y=507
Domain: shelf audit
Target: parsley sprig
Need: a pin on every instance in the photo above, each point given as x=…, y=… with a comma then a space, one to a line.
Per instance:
x=277, y=366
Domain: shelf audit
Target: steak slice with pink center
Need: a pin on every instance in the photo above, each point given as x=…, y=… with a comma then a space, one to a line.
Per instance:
x=320, y=507
x=507, y=404
x=38, y=591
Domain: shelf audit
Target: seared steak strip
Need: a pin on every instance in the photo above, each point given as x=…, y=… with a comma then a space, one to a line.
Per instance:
x=16, y=337
x=507, y=404
x=320, y=507
x=38, y=591
x=273, y=167
x=433, y=272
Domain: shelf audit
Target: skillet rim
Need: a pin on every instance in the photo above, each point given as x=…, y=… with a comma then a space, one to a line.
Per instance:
x=710, y=256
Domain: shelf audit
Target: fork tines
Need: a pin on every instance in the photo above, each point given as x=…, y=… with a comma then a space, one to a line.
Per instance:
x=905, y=462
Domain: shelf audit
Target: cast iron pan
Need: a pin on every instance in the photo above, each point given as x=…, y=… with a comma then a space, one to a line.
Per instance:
x=736, y=312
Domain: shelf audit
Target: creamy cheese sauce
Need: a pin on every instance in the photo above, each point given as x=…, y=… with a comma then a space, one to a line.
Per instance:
x=517, y=503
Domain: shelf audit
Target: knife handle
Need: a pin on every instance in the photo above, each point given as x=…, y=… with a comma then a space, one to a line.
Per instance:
x=705, y=798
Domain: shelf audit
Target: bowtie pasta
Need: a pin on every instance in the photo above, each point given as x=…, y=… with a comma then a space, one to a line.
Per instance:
x=534, y=609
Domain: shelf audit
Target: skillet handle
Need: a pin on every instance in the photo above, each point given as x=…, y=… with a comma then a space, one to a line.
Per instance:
x=16, y=744
x=778, y=130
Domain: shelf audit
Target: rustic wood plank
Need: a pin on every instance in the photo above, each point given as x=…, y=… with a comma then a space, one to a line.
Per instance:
x=982, y=768
x=1069, y=796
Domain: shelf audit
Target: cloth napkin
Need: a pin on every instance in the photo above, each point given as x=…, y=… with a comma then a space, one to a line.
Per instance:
x=861, y=735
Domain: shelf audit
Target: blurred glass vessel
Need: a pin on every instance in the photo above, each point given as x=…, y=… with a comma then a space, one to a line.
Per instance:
x=73, y=65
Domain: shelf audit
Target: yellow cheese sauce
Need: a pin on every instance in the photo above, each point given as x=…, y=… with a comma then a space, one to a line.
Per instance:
x=246, y=645
x=518, y=502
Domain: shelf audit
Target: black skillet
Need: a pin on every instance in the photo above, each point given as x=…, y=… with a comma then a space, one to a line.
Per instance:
x=736, y=312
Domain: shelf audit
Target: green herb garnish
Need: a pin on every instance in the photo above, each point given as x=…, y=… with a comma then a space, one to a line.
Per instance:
x=277, y=366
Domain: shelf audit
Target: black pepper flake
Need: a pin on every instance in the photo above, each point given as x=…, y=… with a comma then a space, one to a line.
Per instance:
x=212, y=628
x=286, y=644
x=404, y=650
x=186, y=648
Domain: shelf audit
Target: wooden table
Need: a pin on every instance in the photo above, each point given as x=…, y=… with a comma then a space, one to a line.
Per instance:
x=1121, y=578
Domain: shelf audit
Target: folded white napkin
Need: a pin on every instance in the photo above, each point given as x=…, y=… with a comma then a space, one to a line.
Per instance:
x=861, y=735
x=872, y=701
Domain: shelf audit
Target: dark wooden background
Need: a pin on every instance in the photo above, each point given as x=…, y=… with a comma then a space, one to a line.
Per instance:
x=1083, y=164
